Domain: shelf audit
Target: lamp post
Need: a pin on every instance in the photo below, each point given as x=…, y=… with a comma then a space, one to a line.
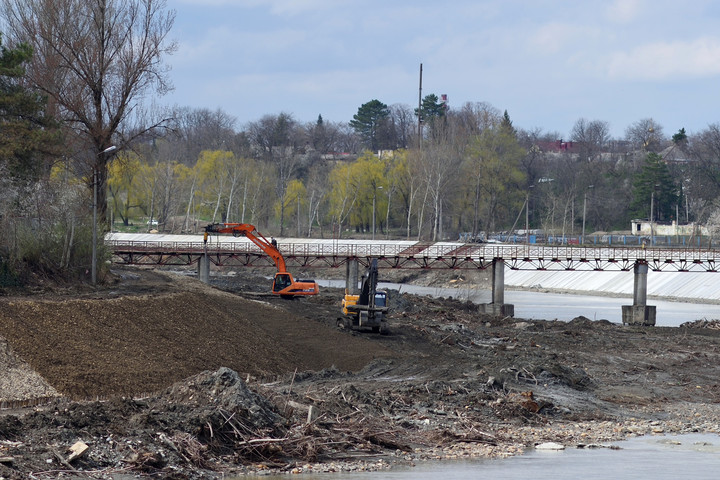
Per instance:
x=527, y=215
x=584, y=211
x=375, y=189
x=94, y=231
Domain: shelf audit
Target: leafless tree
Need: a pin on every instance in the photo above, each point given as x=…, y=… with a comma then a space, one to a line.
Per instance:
x=646, y=134
x=277, y=139
x=474, y=118
x=404, y=124
x=591, y=137
x=198, y=129
x=96, y=60
x=703, y=173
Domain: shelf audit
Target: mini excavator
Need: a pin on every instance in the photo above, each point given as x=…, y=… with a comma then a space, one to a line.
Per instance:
x=283, y=283
x=369, y=308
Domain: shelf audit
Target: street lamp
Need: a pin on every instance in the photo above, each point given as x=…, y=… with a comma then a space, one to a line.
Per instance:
x=527, y=215
x=94, y=231
x=375, y=189
x=584, y=211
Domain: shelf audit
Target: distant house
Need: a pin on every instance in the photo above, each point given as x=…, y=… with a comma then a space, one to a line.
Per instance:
x=674, y=154
x=558, y=146
x=647, y=228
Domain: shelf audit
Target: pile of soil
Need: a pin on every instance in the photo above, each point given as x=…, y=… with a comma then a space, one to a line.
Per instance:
x=156, y=373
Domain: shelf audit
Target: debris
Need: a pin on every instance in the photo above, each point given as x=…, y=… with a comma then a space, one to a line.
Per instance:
x=78, y=449
x=549, y=446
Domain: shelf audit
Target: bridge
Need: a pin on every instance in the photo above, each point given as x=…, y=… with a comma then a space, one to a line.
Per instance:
x=228, y=251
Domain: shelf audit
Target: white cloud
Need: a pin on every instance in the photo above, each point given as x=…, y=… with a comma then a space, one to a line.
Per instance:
x=666, y=60
x=626, y=11
x=555, y=37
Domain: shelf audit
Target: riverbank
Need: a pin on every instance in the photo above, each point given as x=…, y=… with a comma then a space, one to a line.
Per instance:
x=201, y=382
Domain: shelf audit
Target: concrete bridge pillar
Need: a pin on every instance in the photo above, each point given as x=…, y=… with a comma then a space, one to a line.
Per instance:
x=204, y=268
x=498, y=306
x=639, y=313
x=351, y=277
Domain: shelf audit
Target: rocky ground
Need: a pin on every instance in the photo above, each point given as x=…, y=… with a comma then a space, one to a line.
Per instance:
x=156, y=374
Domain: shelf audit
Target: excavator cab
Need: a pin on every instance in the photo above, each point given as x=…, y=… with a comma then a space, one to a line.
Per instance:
x=368, y=309
x=282, y=281
x=285, y=286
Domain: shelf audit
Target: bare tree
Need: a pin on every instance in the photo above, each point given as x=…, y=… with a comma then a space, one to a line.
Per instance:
x=646, y=134
x=198, y=129
x=474, y=118
x=404, y=124
x=591, y=137
x=277, y=140
x=96, y=60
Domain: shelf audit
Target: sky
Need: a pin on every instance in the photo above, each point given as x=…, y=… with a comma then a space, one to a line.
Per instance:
x=547, y=62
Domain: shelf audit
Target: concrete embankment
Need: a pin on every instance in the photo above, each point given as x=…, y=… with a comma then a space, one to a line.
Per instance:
x=691, y=286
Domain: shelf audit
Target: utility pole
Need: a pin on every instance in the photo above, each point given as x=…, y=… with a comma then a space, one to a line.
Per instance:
x=527, y=214
x=584, y=211
x=420, y=111
x=93, y=272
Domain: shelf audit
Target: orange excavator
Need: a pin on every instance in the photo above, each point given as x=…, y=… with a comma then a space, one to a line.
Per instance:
x=283, y=283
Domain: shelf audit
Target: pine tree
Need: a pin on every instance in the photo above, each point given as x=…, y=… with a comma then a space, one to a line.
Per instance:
x=26, y=133
x=369, y=122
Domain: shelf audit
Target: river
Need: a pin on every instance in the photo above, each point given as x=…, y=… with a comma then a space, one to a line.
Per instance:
x=695, y=456
x=562, y=306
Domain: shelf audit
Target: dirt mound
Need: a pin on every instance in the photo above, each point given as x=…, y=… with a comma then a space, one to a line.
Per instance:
x=222, y=390
x=118, y=342
x=18, y=380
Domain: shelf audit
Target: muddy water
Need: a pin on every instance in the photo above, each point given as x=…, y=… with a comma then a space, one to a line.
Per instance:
x=565, y=307
x=645, y=458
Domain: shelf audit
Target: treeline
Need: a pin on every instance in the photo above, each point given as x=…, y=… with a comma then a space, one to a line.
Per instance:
x=472, y=171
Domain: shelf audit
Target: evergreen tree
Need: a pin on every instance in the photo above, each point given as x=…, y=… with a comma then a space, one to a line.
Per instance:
x=26, y=133
x=506, y=124
x=654, y=185
x=680, y=138
x=370, y=121
x=432, y=108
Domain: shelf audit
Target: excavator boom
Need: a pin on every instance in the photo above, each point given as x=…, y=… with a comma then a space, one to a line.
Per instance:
x=283, y=283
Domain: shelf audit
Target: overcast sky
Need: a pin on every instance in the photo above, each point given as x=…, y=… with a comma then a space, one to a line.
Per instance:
x=547, y=62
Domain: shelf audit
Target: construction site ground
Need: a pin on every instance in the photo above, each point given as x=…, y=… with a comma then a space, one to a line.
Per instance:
x=156, y=374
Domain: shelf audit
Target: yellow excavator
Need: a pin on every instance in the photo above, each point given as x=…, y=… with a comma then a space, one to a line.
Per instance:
x=367, y=310
x=283, y=283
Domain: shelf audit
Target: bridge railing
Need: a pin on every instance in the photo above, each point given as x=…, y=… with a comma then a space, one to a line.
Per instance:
x=437, y=250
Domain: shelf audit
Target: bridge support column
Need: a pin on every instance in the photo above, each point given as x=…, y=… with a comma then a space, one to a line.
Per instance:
x=498, y=306
x=204, y=268
x=351, y=276
x=639, y=313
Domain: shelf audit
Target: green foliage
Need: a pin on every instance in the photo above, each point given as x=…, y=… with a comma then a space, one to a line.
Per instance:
x=369, y=122
x=431, y=108
x=494, y=167
x=295, y=200
x=9, y=276
x=654, y=184
x=680, y=137
x=506, y=124
x=355, y=187
x=26, y=133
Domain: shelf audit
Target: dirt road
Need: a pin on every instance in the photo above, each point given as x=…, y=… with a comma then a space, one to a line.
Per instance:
x=197, y=381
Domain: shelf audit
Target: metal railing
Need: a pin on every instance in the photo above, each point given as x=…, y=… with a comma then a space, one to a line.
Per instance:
x=436, y=255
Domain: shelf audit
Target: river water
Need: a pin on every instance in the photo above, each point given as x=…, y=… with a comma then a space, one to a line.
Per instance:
x=561, y=306
x=695, y=456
